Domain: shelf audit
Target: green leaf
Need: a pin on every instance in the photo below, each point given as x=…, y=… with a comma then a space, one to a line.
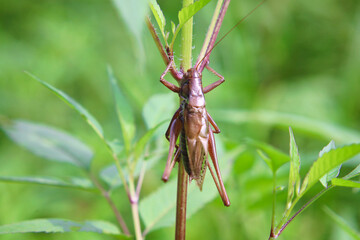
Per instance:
x=327, y=162
x=334, y=172
x=342, y=224
x=110, y=173
x=74, y=183
x=353, y=173
x=159, y=16
x=158, y=108
x=116, y=146
x=140, y=145
x=75, y=105
x=310, y=126
x=133, y=13
x=294, y=175
x=158, y=209
x=60, y=226
x=187, y=13
x=345, y=183
x=124, y=112
x=276, y=158
x=173, y=27
x=48, y=142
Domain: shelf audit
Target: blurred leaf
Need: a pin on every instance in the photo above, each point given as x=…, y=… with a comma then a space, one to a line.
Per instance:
x=173, y=27
x=345, y=183
x=116, y=146
x=76, y=183
x=49, y=143
x=342, y=224
x=327, y=162
x=53, y=225
x=158, y=108
x=308, y=125
x=75, y=105
x=353, y=173
x=158, y=209
x=111, y=176
x=134, y=13
x=334, y=172
x=276, y=158
x=124, y=112
x=140, y=145
x=159, y=16
x=187, y=13
x=294, y=175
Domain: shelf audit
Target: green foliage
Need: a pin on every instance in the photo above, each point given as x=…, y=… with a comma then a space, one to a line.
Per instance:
x=61, y=226
x=326, y=163
x=273, y=157
x=322, y=169
x=49, y=143
x=286, y=79
x=184, y=15
x=294, y=175
x=124, y=112
x=73, y=183
x=342, y=223
x=75, y=105
x=158, y=209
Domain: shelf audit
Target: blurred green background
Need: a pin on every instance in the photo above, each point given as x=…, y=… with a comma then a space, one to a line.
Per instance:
x=297, y=57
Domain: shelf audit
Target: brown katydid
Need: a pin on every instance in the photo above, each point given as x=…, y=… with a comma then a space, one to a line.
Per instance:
x=191, y=121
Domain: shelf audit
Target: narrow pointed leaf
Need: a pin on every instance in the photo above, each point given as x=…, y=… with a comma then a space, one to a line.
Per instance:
x=158, y=108
x=61, y=226
x=327, y=162
x=342, y=224
x=158, y=209
x=48, y=142
x=353, y=173
x=75, y=183
x=188, y=12
x=75, y=105
x=124, y=111
x=140, y=145
x=159, y=16
x=276, y=158
x=345, y=183
x=294, y=175
x=333, y=172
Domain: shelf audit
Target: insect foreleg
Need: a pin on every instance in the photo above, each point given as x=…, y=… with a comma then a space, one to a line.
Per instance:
x=215, y=84
x=213, y=123
x=175, y=129
x=167, y=84
x=218, y=181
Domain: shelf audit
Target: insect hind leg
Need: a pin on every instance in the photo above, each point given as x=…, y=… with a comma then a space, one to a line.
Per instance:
x=217, y=178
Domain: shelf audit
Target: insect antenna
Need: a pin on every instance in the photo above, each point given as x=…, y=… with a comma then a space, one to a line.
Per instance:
x=222, y=38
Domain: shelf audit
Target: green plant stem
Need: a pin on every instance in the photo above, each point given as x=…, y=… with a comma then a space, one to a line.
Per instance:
x=273, y=206
x=286, y=220
x=112, y=205
x=181, y=201
x=134, y=201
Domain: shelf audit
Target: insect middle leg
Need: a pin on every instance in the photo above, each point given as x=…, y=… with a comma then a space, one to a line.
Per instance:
x=175, y=128
x=213, y=123
x=167, y=84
